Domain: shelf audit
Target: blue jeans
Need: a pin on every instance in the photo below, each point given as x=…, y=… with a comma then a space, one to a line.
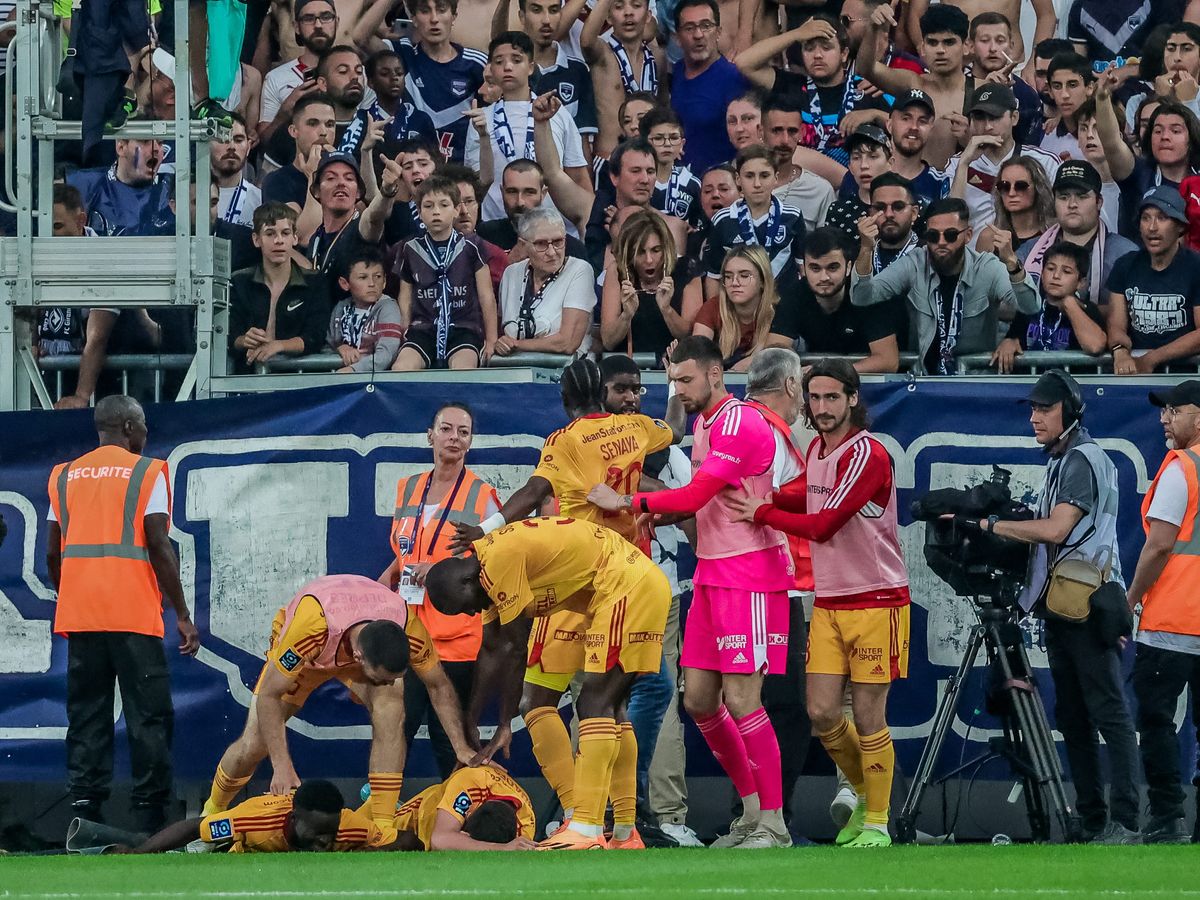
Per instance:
x=648, y=702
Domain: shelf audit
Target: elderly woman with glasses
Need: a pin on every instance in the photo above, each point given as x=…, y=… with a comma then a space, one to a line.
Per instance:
x=546, y=299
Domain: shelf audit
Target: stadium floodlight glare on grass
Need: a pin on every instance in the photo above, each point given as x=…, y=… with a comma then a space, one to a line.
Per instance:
x=1015, y=871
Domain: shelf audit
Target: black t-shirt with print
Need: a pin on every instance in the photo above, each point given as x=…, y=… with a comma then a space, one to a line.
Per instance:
x=1160, y=305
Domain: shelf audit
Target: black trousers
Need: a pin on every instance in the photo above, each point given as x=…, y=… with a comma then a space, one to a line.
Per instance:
x=419, y=711
x=784, y=700
x=1159, y=677
x=1090, y=703
x=96, y=663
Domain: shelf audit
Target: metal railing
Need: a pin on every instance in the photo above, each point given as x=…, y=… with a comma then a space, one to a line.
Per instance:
x=130, y=368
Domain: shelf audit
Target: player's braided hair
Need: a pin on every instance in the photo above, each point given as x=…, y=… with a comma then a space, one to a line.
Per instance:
x=582, y=385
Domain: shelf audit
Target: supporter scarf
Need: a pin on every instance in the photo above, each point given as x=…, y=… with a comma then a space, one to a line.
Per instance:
x=948, y=329
x=674, y=194
x=1040, y=336
x=530, y=300
x=820, y=129
x=877, y=264
x=502, y=131
x=1033, y=262
x=649, y=81
x=774, y=232
x=445, y=294
x=353, y=326
x=233, y=214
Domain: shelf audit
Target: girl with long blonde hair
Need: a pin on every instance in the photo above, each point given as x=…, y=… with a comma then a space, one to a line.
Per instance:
x=739, y=317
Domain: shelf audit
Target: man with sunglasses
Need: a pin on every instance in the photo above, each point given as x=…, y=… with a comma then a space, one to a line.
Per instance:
x=954, y=292
x=886, y=231
x=992, y=116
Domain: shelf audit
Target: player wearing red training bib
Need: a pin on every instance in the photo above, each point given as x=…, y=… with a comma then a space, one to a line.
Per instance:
x=737, y=627
x=859, y=628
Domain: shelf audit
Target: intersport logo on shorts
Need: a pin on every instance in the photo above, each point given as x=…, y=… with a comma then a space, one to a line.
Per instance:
x=731, y=642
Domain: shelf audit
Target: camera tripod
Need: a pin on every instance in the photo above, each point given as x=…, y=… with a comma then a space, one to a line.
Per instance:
x=1027, y=744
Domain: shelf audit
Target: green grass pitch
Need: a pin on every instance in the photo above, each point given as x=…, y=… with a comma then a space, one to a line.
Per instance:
x=968, y=871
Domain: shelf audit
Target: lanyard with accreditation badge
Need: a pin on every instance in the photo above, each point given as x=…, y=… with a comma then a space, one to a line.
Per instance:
x=412, y=593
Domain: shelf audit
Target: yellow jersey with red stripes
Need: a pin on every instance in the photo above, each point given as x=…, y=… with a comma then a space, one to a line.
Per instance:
x=596, y=448
x=260, y=825
x=460, y=795
x=299, y=645
x=536, y=567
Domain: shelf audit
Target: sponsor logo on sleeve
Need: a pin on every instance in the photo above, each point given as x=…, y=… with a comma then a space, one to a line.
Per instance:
x=462, y=803
x=221, y=829
x=290, y=660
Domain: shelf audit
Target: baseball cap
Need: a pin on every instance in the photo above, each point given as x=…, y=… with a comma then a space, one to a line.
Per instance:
x=914, y=97
x=300, y=4
x=993, y=100
x=1077, y=173
x=1186, y=393
x=1167, y=200
x=868, y=132
x=340, y=156
x=1053, y=387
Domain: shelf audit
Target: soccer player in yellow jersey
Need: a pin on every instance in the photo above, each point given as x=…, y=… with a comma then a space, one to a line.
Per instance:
x=476, y=808
x=596, y=445
x=540, y=566
x=312, y=819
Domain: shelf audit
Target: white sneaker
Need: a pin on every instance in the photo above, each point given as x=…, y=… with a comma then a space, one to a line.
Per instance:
x=683, y=835
x=843, y=806
x=739, y=829
x=763, y=838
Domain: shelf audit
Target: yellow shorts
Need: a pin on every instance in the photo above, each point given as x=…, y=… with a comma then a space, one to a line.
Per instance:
x=869, y=645
x=556, y=643
x=555, y=681
x=307, y=681
x=628, y=631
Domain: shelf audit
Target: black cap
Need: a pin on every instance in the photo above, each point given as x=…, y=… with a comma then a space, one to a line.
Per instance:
x=339, y=156
x=1186, y=393
x=1053, y=387
x=300, y=4
x=1166, y=200
x=993, y=100
x=1078, y=173
x=914, y=97
x=868, y=132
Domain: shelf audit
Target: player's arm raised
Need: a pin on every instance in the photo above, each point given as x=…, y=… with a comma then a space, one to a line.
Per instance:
x=524, y=500
x=270, y=708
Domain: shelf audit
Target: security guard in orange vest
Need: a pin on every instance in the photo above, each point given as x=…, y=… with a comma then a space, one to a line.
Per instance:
x=1164, y=587
x=428, y=507
x=111, y=561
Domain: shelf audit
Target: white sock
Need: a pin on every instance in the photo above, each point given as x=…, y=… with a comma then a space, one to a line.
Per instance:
x=880, y=828
x=622, y=832
x=773, y=820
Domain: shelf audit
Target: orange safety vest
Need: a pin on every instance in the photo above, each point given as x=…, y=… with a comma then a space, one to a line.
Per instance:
x=415, y=540
x=107, y=582
x=1172, y=603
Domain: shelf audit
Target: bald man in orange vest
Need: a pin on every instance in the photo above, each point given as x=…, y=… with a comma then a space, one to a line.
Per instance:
x=112, y=564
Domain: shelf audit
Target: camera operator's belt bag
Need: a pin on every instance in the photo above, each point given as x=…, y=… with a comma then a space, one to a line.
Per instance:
x=1072, y=583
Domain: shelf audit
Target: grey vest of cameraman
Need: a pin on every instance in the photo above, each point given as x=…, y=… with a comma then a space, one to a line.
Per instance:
x=1094, y=537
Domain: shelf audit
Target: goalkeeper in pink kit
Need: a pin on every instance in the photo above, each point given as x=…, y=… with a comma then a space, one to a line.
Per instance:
x=737, y=627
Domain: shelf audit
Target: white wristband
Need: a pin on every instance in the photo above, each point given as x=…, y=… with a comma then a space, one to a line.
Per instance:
x=492, y=522
x=670, y=389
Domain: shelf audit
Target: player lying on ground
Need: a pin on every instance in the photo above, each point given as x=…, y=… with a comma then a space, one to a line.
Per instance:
x=536, y=567
x=355, y=630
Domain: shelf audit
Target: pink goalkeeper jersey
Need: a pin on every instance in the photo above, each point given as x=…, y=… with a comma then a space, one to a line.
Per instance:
x=736, y=444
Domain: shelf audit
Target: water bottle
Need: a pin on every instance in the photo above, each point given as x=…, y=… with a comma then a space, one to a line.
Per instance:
x=364, y=793
x=1001, y=840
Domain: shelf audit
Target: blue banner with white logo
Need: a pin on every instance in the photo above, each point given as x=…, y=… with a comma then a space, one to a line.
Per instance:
x=272, y=490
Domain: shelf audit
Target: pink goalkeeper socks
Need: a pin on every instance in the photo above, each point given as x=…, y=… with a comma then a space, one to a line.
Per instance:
x=762, y=750
x=726, y=743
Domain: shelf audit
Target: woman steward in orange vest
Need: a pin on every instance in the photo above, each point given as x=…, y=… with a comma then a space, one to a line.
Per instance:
x=111, y=562
x=428, y=506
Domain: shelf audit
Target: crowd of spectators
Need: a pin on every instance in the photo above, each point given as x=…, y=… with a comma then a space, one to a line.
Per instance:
x=412, y=185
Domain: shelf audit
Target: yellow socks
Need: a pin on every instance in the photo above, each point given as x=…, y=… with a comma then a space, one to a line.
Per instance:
x=385, y=794
x=224, y=789
x=623, y=790
x=552, y=748
x=878, y=764
x=842, y=745
x=599, y=742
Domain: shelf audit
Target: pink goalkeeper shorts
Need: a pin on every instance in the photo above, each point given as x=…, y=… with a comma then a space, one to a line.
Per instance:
x=735, y=631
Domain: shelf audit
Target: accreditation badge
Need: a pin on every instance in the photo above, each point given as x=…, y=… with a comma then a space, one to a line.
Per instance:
x=412, y=593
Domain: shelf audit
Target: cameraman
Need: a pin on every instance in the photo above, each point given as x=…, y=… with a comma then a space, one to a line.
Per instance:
x=1077, y=519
